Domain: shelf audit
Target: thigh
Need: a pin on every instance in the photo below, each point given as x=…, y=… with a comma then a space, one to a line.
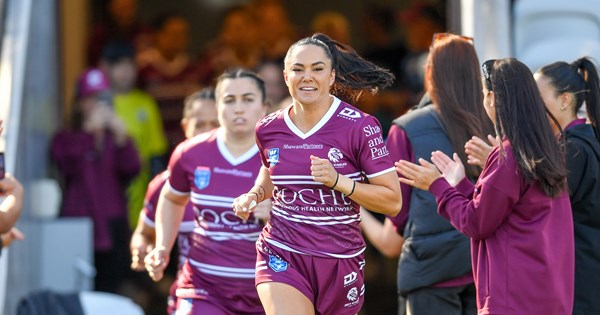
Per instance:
x=340, y=283
x=434, y=301
x=198, y=307
x=282, y=299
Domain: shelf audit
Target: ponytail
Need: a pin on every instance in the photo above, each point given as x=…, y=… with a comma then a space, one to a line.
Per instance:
x=586, y=68
x=353, y=74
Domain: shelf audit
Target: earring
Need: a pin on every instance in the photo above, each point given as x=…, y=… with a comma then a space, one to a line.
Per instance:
x=562, y=108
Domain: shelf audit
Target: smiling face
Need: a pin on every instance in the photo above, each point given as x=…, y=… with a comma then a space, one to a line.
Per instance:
x=308, y=75
x=240, y=105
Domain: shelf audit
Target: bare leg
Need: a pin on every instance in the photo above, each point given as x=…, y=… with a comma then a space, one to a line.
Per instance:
x=282, y=299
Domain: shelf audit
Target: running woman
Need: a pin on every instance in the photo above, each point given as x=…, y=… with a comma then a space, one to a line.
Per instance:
x=322, y=158
x=210, y=170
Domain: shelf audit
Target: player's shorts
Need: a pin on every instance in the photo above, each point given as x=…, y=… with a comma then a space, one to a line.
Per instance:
x=202, y=293
x=333, y=285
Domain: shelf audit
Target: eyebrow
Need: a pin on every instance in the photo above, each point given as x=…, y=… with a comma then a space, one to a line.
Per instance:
x=313, y=64
x=245, y=94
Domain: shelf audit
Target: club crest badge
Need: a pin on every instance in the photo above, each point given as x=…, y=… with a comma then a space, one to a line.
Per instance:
x=202, y=177
x=273, y=156
x=277, y=264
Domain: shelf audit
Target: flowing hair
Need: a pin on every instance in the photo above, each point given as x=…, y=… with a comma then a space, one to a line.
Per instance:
x=522, y=118
x=353, y=74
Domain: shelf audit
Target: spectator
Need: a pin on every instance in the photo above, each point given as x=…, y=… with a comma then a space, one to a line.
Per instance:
x=121, y=24
x=168, y=73
x=97, y=159
x=139, y=112
x=434, y=270
x=518, y=214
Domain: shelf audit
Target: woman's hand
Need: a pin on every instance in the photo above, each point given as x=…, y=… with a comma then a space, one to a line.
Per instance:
x=478, y=150
x=323, y=172
x=418, y=176
x=452, y=170
x=140, y=247
x=156, y=262
x=244, y=205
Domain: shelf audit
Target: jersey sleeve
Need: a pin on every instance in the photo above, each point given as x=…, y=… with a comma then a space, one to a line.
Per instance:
x=151, y=199
x=373, y=155
x=178, y=179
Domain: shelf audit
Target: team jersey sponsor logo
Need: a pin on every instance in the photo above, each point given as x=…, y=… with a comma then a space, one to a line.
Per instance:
x=304, y=146
x=277, y=264
x=349, y=114
x=336, y=156
x=202, y=177
x=233, y=172
x=371, y=130
x=273, y=156
x=350, y=278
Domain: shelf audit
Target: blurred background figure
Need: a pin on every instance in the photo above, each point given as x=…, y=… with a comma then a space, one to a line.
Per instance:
x=141, y=116
x=278, y=95
x=199, y=116
x=332, y=24
x=97, y=159
x=275, y=32
x=121, y=23
x=420, y=21
x=168, y=72
x=236, y=44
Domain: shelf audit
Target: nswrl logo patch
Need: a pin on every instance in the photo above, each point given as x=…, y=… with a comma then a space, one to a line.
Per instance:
x=273, y=156
x=277, y=264
x=202, y=177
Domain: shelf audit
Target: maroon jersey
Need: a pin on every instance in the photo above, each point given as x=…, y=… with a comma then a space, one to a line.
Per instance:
x=221, y=244
x=308, y=217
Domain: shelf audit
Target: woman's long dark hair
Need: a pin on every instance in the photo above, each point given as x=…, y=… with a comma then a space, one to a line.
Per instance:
x=581, y=79
x=453, y=81
x=522, y=117
x=353, y=74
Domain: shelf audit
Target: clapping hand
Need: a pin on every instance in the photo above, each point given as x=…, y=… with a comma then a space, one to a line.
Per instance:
x=452, y=169
x=477, y=150
x=418, y=176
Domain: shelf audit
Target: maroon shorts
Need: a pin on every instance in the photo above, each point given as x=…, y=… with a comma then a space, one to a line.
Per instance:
x=203, y=293
x=333, y=285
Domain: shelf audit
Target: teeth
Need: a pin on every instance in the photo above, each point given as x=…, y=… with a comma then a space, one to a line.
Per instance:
x=308, y=89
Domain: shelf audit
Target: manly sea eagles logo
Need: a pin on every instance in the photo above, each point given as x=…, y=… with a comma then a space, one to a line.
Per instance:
x=335, y=155
x=277, y=264
x=202, y=177
x=273, y=156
